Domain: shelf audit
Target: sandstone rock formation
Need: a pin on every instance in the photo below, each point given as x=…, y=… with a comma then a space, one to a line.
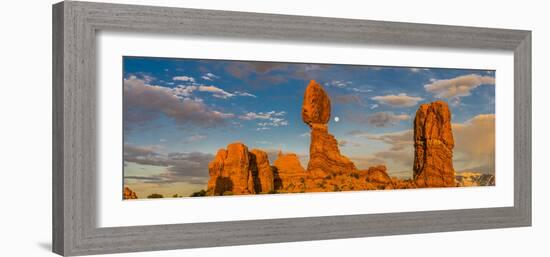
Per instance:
x=289, y=173
x=324, y=155
x=240, y=171
x=378, y=174
x=316, y=106
x=433, y=146
x=129, y=194
x=262, y=172
x=236, y=170
x=230, y=171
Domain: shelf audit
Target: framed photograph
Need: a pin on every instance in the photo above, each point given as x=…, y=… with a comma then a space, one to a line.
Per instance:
x=183, y=128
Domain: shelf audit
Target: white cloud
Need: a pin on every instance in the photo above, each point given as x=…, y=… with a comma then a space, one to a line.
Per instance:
x=338, y=83
x=398, y=155
x=385, y=119
x=216, y=91
x=184, y=91
x=416, y=70
x=209, y=76
x=359, y=90
x=475, y=143
x=458, y=86
x=263, y=142
x=400, y=100
x=240, y=93
x=187, y=90
x=145, y=102
x=271, y=119
x=346, y=143
x=274, y=122
x=184, y=78
x=374, y=106
x=195, y=138
x=261, y=115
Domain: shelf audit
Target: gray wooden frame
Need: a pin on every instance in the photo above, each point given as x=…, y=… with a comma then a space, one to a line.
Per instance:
x=75, y=25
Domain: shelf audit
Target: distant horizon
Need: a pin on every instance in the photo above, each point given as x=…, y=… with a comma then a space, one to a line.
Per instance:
x=179, y=112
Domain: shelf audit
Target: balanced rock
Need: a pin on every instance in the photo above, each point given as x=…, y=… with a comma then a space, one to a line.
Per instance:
x=230, y=171
x=316, y=106
x=324, y=155
x=129, y=194
x=261, y=171
x=433, y=146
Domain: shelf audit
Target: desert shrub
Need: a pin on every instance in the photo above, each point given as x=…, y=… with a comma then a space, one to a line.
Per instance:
x=155, y=195
x=321, y=184
x=228, y=193
x=198, y=193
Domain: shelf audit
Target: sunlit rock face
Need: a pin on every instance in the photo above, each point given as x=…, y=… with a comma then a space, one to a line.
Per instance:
x=230, y=171
x=324, y=155
x=237, y=170
x=433, y=146
x=262, y=172
x=289, y=174
x=129, y=194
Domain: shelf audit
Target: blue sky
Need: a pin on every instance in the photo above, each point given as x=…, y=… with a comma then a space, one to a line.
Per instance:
x=179, y=112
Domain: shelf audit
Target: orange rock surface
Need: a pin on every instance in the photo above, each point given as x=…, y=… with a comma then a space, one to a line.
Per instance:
x=316, y=106
x=378, y=174
x=433, y=146
x=129, y=194
x=324, y=155
x=289, y=173
x=230, y=171
x=236, y=170
x=262, y=172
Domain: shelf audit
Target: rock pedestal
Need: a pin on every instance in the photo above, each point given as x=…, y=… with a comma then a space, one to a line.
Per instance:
x=324, y=155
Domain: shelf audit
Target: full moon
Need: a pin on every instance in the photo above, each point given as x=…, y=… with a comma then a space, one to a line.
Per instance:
x=336, y=119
